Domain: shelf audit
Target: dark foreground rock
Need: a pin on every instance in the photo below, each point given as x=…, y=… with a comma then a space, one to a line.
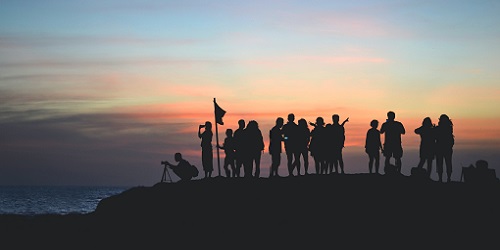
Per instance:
x=301, y=212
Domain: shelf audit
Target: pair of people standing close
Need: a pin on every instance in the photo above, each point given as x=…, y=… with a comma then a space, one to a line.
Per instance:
x=392, y=147
x=436, y=141
x=248, y=144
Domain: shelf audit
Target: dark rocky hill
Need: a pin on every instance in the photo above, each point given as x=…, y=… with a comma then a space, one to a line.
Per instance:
x=303, y=212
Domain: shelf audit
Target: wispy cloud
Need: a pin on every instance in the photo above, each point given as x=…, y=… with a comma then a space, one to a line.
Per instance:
x=107, y=62
x=77, y=41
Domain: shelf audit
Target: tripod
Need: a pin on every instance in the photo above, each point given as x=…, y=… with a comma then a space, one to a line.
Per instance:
x=165, y=172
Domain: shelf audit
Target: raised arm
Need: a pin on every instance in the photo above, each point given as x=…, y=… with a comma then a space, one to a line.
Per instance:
x=346, y=120
x=199, y=131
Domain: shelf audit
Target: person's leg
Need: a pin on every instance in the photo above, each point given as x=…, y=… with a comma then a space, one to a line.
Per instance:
x=226, y=167
x=239, y=166
x=296, y=164
x=204, y=162
x=448, y=167
x=316, y=164
x=377, y=162
x=429, y=166
x=341, y=161
x=398, y=164
x=371, y=159
x=278, y=160
x=421, y=162
x=306, y=161
x=289, y=162
x=257, y=164
x=273, y=165
x=336, y=164
x=329, y=164
x=323, y=165
x=387, y=160
x=439, y=167
x=247, y=167
x=233, y=168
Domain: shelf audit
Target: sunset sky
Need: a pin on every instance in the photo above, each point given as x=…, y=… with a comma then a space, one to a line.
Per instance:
x=100, y=92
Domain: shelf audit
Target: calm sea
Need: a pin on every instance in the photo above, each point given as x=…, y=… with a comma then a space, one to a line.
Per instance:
x=34, y=200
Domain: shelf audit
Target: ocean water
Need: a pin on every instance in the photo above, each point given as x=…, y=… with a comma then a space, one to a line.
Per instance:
x=36, y=200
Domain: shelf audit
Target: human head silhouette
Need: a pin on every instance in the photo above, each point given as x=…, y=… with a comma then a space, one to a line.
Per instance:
x=319, y=121
x=427, y=122
x=374, y=123
x=229, y=132
x=445, y=120
x=391, y=116
x=279, y=122
x=178, y=157
x=291, y=117
x=335, y=118
x=208, y=125
x=253, y=124
x=302, y=122
x=241, y=123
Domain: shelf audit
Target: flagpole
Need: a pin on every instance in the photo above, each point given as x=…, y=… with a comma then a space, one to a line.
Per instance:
x=217, y=137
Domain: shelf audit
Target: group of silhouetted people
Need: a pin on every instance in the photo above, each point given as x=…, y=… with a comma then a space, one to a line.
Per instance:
x=243, y=147
x=436, y=143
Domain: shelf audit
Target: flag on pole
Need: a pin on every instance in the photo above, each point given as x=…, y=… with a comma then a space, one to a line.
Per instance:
x=219, y=113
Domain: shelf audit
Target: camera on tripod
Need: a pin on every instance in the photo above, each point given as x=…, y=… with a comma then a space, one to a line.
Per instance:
x=165, y=172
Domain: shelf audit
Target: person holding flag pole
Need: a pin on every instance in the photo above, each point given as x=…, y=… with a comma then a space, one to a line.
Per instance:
x=219, y=113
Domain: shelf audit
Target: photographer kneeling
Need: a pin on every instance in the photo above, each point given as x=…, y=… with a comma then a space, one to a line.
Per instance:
x=183, y=169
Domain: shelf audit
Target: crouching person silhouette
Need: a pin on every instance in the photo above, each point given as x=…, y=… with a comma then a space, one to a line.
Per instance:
x=184, y=170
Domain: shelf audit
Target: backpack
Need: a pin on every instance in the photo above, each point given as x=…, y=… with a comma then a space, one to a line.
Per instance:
x=194, y=171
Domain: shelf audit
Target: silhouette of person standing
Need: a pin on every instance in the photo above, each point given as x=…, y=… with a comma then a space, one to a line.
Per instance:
x=239, y=147
x=255, y=144
x=427, y=144
x=229, y=160
x=444, y=146
x=275, y=144
x=206, y=148
x=303, y=139
x=337, y=132
x=318, y=144
x=290, y=136
x=392, y=140
x=373, y=145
